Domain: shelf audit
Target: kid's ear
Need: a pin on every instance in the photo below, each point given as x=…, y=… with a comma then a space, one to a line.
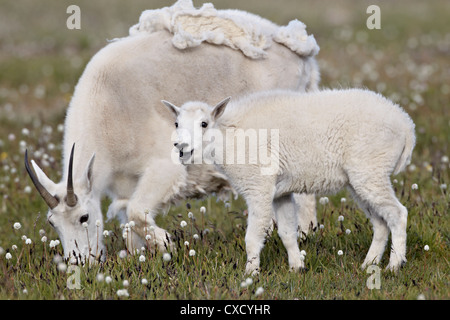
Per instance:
x=220, y=108
x=171, y=107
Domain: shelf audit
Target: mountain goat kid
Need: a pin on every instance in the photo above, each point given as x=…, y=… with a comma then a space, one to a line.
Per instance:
x=319, y=142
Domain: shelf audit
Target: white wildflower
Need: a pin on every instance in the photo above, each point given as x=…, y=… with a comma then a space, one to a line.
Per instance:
x=183, y=224
x=341, y=218
x=202, y=210
x=144, y=281
x=122, y=254
x=186, y=243
x=108, y=279
x=85, y=225
x=348, y=231
x=106, y=233
x=123, y=293
x=100, y=277
x=125, y=283
x=195, y=236
x=28, y=241
x=259, y=291
x=426, y=248
x=323, y=200
x=97, y=223
x=421, y=297
x=142, y=258
x=414, y=186
x=17, y=225
x=340, y=252
x=8, y=256
x=190, y=215
x=192, y=252
x=148, y=237
x=14, y=247
x=166, y=257
x=248, y=281
x=62, y=267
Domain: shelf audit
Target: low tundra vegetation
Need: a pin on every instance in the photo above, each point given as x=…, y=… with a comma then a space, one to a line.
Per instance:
x=404, y=61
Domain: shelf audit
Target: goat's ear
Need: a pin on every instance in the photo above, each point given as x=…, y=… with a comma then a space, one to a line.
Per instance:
x=172, y=107
x=88, y=174
x=220, y=108
x=43, y=179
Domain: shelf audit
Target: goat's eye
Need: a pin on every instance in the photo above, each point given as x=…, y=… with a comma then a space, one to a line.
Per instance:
x=204, y=124
x=84, y=218
x=176, y=124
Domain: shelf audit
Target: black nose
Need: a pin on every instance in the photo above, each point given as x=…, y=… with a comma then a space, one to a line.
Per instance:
x=175, y=144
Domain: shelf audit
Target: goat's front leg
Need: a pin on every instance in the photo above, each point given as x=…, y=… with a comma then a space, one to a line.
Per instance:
x=156, y=187
x=259, y=223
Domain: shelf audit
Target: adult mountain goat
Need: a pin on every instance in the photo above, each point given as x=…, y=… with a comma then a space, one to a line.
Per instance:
x=116, y=114
x=322, y=142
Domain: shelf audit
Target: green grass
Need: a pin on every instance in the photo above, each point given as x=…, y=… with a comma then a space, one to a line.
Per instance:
x=407, y=60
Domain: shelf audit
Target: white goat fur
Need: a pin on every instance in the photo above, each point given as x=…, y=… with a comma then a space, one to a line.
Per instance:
x=327, y=140
x=116, y=113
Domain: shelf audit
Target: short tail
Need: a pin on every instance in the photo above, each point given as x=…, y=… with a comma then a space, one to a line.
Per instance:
x=405, y=157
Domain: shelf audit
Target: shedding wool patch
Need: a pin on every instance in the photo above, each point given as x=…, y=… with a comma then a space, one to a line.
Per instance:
x=236, y=29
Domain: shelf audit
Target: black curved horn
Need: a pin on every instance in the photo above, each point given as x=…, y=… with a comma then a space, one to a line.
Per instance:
x=71, y=198
x=50, y=200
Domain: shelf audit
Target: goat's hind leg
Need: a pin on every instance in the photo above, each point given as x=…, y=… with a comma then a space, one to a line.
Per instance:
x=287, y=220
x=386, y=213
x=380, y=232
x=305, y=205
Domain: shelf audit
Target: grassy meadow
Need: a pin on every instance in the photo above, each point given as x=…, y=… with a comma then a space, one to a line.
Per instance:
x=407, y=60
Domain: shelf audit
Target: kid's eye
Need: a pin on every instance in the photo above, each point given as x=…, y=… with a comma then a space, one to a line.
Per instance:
x=176, y=124
x=204, y=124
